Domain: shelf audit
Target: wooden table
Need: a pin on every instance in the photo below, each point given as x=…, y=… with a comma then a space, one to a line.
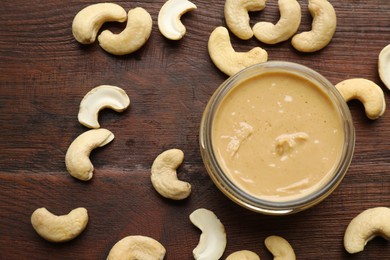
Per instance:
x=44, y=74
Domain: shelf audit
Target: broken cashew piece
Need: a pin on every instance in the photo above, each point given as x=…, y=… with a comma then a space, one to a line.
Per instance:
x=226, y=58
x=137, y=247
x=280, y=248
x=384, y=65
x=285, y=28
x=237, y=17
x=323, y=27
x=169, y=16
x=365, y=226
x=367, y=92
x=104, y=96
x=243, y=255
x=59, y=228
x=77, y=159
x=164, y=177
x=133, y=37
x=212, y=242
x=88, y=21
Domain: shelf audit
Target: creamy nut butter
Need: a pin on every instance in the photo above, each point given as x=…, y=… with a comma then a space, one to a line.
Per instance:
x=278, y=136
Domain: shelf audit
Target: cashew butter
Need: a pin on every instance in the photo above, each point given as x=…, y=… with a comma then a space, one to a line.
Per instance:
x=278, y=136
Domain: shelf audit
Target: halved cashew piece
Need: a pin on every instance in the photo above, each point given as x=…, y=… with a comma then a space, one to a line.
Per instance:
x=365, y=226
x=384, y=65
x=280, y=248
x=59, y=228
x=212, y=242
x=137, y=248
x=164, y=178
x=367, y=92
x=88, y=21
x=243, y=255
x=133, y=37
x=323, y=27
x=226, y=58
x=104, y=96
x=169, y=16
x=77, y=159
x=237, y=17
x=285, y=28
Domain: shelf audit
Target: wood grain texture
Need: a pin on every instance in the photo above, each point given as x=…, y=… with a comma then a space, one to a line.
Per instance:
x=44, y=73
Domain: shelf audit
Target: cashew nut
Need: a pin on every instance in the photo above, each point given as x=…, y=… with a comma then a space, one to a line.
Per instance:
x=212, y=242
x=384, y=66
x=99, y=98
x=164, y=177
x=365, y=226
x=169, y=16
x=59, y=228
x=88, y=21
x=237, y=17
x=133, y=37
x=137, y=247
x=367, y=92
x=224, y=56
x=323, y=27
x=280, y=248
x=77, y=157
x=285, y=28
x=243, y=255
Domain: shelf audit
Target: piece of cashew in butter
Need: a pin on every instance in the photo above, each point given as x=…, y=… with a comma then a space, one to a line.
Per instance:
x=59, y=228
x=384, y=65
x=226, y=58
x=237, y=17
x=133, y=37
x=280, y=248
x=169, y=22
x=365, y=226
x=88, y=21
x=104, y=96
x=164, y=177
x=367, y=92
x=77, y=159
x=137, y=248
x=285, y=28
x=212, y=242
x=243, y=255
x=323, y=27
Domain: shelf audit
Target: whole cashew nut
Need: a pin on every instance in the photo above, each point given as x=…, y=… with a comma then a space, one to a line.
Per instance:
x=226, y=58
x=88, y=21
x=323, y=27
x=243, y=255
x=280, y=248
x=77, y=159
x=285, y=28
x=164, y=177
x=237, y=17
x=133, y=37
x=169, y=16
x=104, y=96
x=137, y=247
x=212, y=242
x=384, y=65
x=367, y=92
x=59, y=228
x=365, y=226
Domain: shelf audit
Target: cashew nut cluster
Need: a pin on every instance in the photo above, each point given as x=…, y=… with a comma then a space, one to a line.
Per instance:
x=367, y=92
x=243, y=255
x=365, y=226
x=59, y=228
x=226, y=58
x=384, y=65
x=104, y=96
x=77, y=159
x=169, y=22
x=164, y=177
x=137, y=248
x=280, y=248
x=212, y=242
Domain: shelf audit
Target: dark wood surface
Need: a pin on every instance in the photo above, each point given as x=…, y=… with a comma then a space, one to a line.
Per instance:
x=44, y=73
